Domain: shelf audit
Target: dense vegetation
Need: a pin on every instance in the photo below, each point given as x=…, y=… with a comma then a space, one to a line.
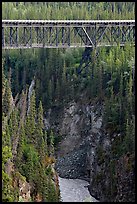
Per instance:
x=108, y=79
x=34, y=156
x=68, y=10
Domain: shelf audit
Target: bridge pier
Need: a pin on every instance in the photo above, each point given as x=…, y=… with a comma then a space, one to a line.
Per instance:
x=86, y=60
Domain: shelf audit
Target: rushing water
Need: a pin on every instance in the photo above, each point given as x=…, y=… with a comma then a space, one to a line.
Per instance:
x=75, y=190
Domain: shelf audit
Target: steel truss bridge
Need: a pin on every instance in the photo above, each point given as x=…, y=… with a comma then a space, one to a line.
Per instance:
x=66, y=33
x=91, y=34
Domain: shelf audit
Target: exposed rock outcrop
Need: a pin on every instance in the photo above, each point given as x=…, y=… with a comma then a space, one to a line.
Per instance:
x=79, y=126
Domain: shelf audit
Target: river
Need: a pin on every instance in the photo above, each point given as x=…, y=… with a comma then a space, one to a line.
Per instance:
x=75, y=190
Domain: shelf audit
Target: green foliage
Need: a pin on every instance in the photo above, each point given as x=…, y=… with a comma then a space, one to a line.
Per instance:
x=6, y=102
x=13, y=124
x=128, y=144
x=113, y=178
x=6, y=140
x=6, y=154
x=30, y=125
x=45, y=143
x=58, y=83
x=98, y=178
x=20, y=148
x=68, y=10
x=100, y=155
x=39, y=131
x=40, y=116
x=7, y=189
x=109, y=78
x=30, y=162
x=3, y=77
x=52, y=194
x=51, y=143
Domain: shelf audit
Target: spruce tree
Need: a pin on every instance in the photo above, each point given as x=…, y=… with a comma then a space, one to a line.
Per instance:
x=51, y=144
x=50, y=91
x=30, y=121
x=64, y=80
x=20, y=148
x=40, y=116
x=39, y=131
x=7, y=188
x=13, y=125
x=7, y=99
x=45, y=142
x=3, y=78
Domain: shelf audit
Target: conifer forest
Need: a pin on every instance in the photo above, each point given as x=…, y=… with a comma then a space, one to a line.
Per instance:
x=62, y=122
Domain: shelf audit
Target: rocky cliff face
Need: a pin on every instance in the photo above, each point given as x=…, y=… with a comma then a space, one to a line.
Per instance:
x=84, y=147
x=79, y=127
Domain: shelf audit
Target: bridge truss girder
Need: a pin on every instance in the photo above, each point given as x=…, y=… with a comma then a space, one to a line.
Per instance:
x=29, y=36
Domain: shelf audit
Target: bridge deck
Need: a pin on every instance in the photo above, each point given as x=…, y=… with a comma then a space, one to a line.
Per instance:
x=60, y=23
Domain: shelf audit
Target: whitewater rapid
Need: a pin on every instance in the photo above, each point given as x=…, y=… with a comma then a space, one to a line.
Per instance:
x=74, y=190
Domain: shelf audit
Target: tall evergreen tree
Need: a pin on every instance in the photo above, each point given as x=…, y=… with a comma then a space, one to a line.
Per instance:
x=39, y=131
x=7, y=99
x=31, y=120
x=45, y=143
x=13, y=125
x=20, y=148
x=51, y=144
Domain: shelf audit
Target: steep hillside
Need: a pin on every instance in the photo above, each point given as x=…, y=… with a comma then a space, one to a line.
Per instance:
x=87, y=149
x=26, y=156
x=57, y=119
